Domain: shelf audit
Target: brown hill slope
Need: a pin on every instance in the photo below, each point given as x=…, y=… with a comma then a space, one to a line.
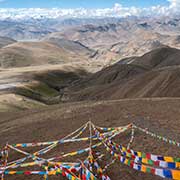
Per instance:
x=160, y=57
x=156, y=74
x=112, y=74
x=157, y=83
x=39, y=53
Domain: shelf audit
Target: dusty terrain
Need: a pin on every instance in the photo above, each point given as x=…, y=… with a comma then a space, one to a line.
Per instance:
x=160, y=115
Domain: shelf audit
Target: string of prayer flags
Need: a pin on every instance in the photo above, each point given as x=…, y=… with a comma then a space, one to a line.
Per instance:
x=90, y=168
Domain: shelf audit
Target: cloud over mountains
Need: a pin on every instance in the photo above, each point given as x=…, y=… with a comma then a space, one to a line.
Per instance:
x=117, y=11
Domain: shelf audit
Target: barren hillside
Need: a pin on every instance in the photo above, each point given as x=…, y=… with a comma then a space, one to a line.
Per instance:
x=161, y=116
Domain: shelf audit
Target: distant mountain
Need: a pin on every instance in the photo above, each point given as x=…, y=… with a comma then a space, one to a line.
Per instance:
x=24, y=30
x=72, y=46
x=104, y=40
x=123, y=38
x=4, y=41
x=121, y=28
x=35, y=29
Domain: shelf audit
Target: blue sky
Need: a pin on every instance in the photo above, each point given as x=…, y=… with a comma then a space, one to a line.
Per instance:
x=78, y=3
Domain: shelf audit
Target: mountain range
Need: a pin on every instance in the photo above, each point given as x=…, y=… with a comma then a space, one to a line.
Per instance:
x=108, y=39
x=57, y=74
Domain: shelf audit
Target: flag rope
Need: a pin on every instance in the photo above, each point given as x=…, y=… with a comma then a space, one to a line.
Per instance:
x=163, y=166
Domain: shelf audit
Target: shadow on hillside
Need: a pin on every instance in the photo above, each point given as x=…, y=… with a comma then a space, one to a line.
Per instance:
x=49, y=86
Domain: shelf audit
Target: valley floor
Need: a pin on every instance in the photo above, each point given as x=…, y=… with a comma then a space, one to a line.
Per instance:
x=22, y=77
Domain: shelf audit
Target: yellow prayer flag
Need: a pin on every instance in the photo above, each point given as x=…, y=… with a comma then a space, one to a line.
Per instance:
x=176, y=174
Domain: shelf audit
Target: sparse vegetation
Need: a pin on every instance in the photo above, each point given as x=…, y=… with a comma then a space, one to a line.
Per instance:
x=40, y=92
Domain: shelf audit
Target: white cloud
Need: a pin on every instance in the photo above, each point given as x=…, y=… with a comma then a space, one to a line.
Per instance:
x=117, y=11
x=174, y=3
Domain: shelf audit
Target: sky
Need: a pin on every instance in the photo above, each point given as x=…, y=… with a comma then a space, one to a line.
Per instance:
x=79, y=3
x=19, y=9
